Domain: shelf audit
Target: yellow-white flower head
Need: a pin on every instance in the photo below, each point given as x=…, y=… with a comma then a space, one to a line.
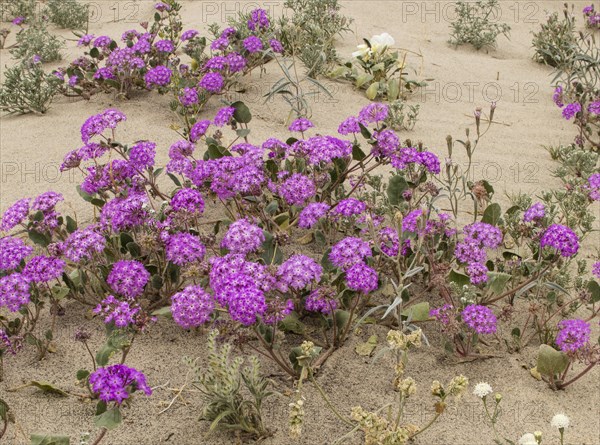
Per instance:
x=560, y=421
x=482, y=390
x=527, y=439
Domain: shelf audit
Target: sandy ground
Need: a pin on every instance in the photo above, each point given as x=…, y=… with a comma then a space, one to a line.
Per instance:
x=511, y=157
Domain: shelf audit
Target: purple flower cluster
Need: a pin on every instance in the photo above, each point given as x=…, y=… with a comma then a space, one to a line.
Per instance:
x=593, y=187
x=596, y=269
x=188, y=35
x=159, y=76
x=253, y=44
x=319, y=149
x=188, y=200
x=571, y=110
x=12, y=252
x=164, y=46
x=561, y=238
x=223, y=116
x=298, y=272
x=14, y=291
x=42, y=269
x=184, y=248
x=350, y=125
x=125, y=212
x=311, y=214
x=387, y=143
x=141, y=155
x=389, y=242
x=8, y=344
x=374, y=112
x=301, y=125
x=535, y=213
x=83, y=243
x=361, y=278
x=410, y=155
x=478, y=237
x=98, y=123
x=276, y=46
x=322, y=299
x=192, y=307
x=128, y=278
x=189, y=97
x=258, y=20
x=243, y=237
x=120, y=313
x=115, y=383
x=444, y=314
x=297, y=189
x=349, y=207
x=573, y=335
x=199, y=129
x=349, y=251
x=15, y=214
x=212, y=82
x=479, y=318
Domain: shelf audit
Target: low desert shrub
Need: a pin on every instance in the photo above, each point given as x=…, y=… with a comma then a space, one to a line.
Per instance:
x=68, y=14
x=35, y=40
x=28, y=89
x=309, y=31
x=476, y=24
x=555, y=42
x=233, y=394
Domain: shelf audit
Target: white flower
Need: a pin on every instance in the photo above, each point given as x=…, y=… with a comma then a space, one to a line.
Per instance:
x=528, y=439
x=560, y=421
x=482, y=390
x=379, y=44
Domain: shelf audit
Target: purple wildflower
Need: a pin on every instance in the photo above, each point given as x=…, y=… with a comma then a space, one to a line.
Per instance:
x=350, y=125
x=83, y=243
x=562, y=238
x=349, y=251
x=297, y=272
x=192, y=307
x=121, y=313
x=573, y=335
x=15, y=214
x=12, y=252
x=184, y=248
x=212, y=82
x=571, y=110
x=301, y=125
x=322, y=299
x=115, y=383
x=42, y=269
x=160, y=76
x=223, y=116
x=243, y=237
x=361, y=278
x=128, y=278
x=479, y=318
x=311, y=214
x=14, y=291
x=535, y=213
x=297, y=189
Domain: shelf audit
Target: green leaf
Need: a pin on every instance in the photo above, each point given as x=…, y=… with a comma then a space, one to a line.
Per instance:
x=242, y=132
x=86, y=197
x=4, y=409
x=157, y=281
x=103, y=355
x=594, y=289
x=362, y=79
x=341, y=319
x=134, y=249
x=175, y=179
x=393, y=89
x=216, y=152
x=366, y=349
x=458, y=278
x=396, y=186
x=71, y=224
x=242, y=112
x=45, y=439
x=372, y=91
x=39, y=238
x=82, y=374
x=163, y=312
x=551, y=362
x=492, y=213
x=497, y=281
x=272, y=253
x=292, y=324
x=47, y=387
x=418, y=312
x=60, y=292
x=110, y=419
x=357, y=153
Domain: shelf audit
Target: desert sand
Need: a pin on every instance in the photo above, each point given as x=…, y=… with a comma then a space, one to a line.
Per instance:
x=511, y=157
